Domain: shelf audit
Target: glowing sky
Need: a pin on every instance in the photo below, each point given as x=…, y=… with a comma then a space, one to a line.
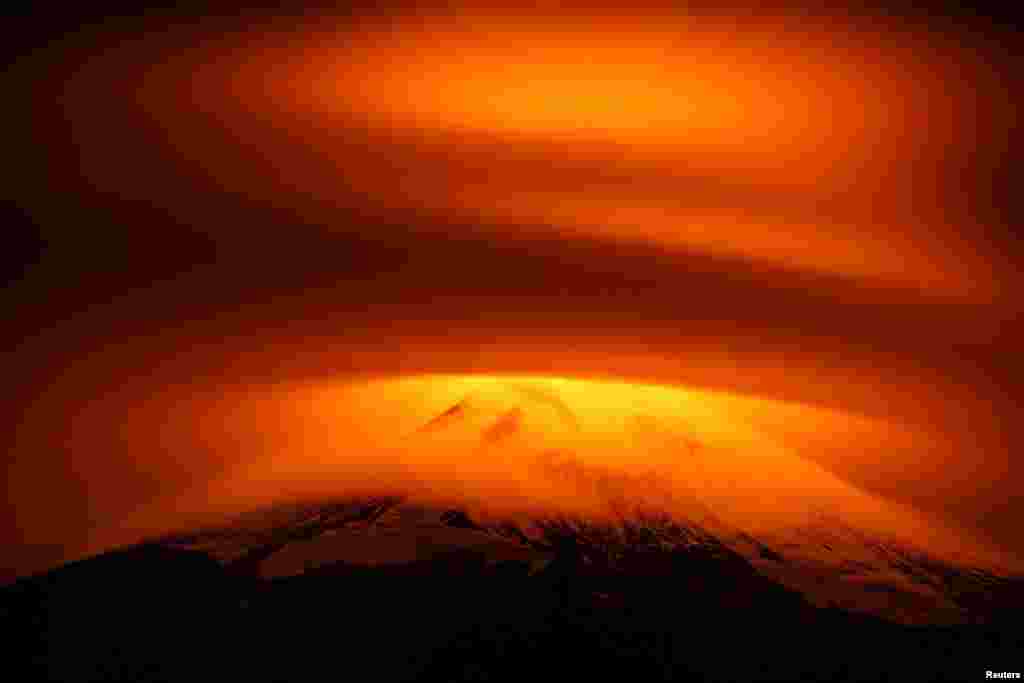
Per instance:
x=808, y=145
x=284, y=242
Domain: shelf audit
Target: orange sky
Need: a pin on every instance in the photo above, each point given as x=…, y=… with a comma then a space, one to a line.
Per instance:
x=793, y=214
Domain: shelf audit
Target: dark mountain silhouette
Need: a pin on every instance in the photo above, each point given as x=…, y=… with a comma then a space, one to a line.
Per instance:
x=652, y=600
x=393, y=589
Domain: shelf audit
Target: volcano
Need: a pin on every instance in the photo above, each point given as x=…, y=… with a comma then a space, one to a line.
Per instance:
x=660, y=582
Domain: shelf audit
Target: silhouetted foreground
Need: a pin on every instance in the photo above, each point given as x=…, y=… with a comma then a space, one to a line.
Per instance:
x=159, y=613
